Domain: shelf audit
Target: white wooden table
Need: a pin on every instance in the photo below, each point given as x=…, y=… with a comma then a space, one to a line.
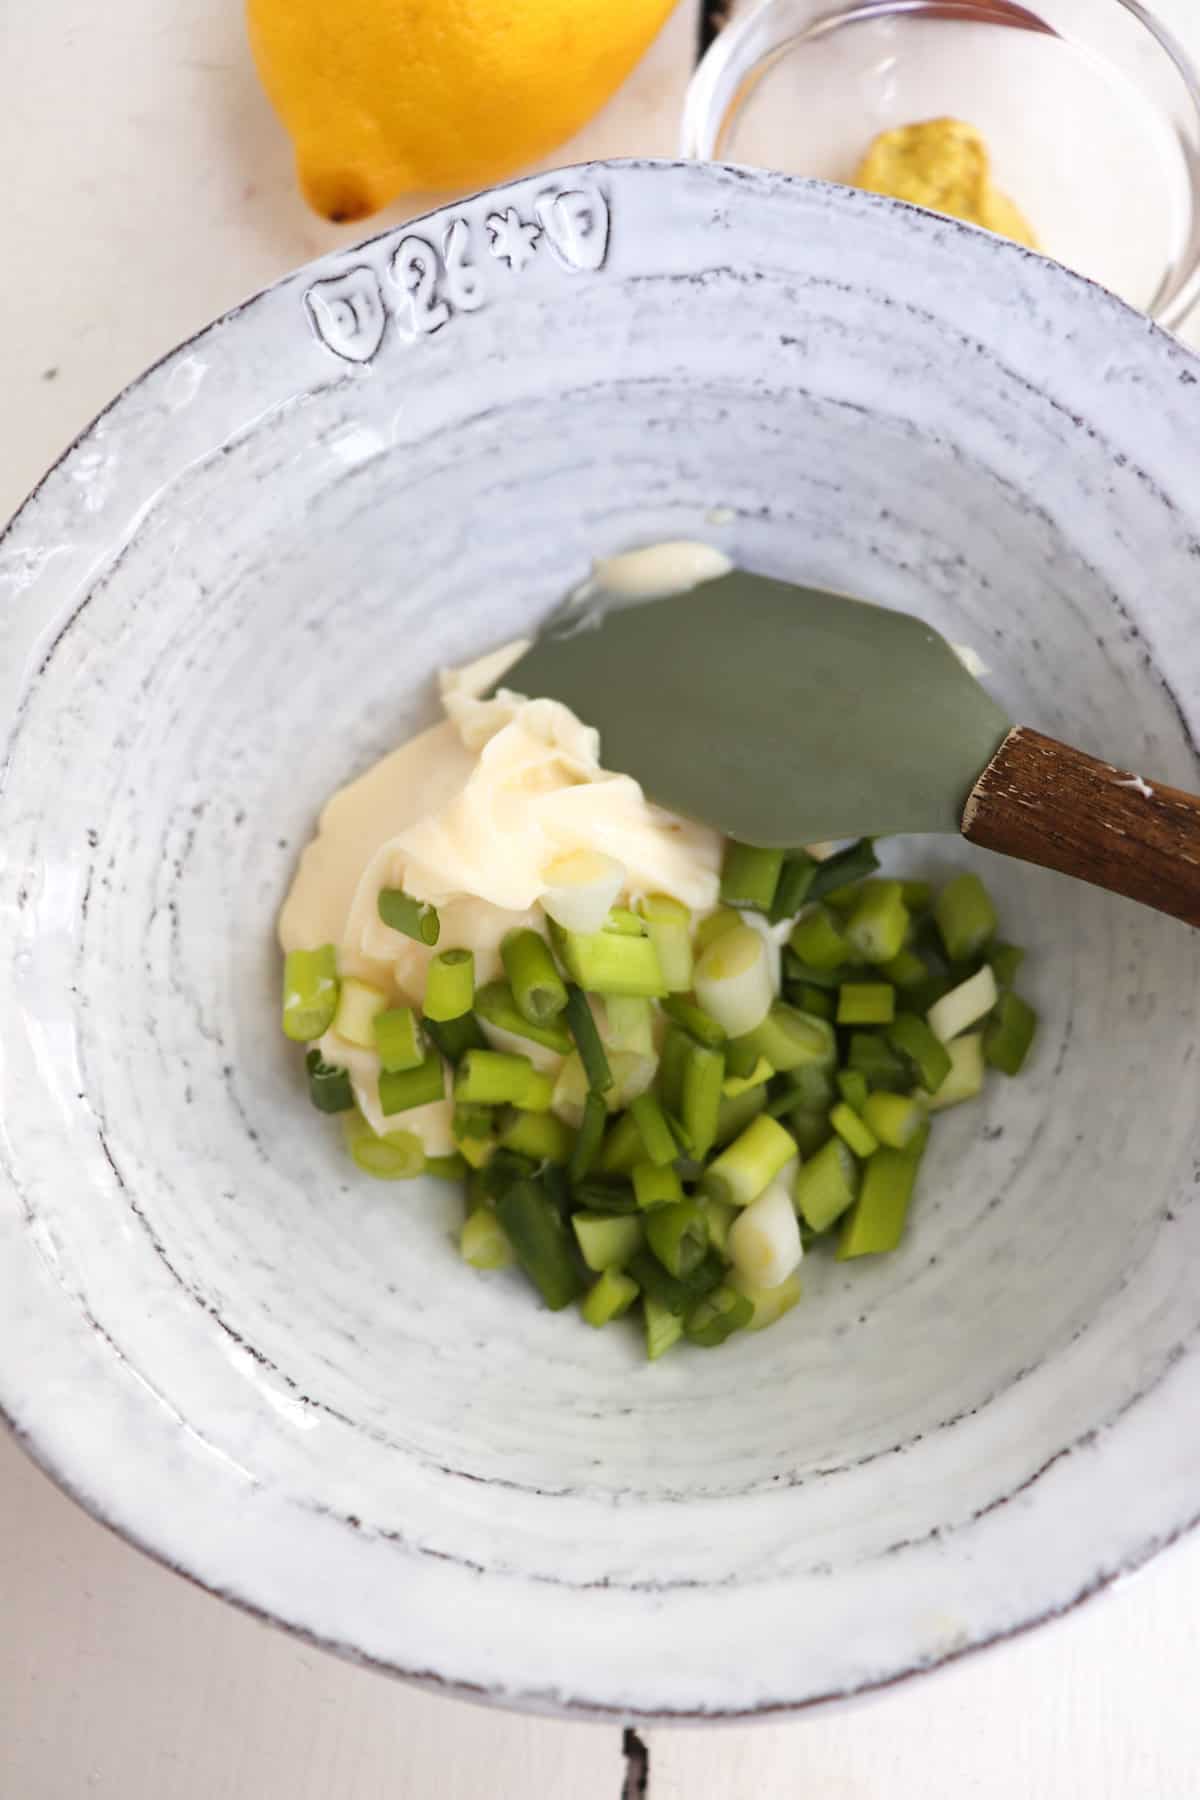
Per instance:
x=145, y=188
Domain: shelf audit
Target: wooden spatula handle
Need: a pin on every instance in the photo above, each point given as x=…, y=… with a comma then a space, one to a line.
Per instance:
x=1045, y=803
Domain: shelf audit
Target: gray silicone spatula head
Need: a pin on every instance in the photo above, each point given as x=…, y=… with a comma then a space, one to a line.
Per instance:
x=781, y=715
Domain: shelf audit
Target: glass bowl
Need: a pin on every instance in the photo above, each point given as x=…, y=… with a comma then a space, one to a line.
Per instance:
x=1090, y=109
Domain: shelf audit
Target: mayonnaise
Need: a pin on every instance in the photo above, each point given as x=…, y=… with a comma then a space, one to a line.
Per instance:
x=471, y=816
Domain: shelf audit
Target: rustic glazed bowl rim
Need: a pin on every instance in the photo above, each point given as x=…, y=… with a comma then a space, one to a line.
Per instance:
x=71, y=1479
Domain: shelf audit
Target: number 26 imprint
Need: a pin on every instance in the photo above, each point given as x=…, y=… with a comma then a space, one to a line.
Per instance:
x=426, y=284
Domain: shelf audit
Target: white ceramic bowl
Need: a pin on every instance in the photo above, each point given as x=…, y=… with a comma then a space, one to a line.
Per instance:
x=230, y=594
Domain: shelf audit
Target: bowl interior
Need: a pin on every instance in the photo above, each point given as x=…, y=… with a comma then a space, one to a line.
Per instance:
x=272, y=625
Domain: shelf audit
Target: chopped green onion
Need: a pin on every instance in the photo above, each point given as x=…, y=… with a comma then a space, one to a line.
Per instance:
x=663, y=1327
x=540, y=1242
x=622, y=1147
x=717, y=1317
x=537, y=987
x=963, y=1006
x=402, y=1089
x=655, y=1133
x=677, y=1234
x=656, y=1185
x=1009, y=1035
x=750, y=1164
x=764, y=1242
x=557, y=1184
x=477, y=1153
x=630, y=1024
x=483, y=1241
x=852, y=1086
x=671, y=1063
x=503, y=1169
x=769, y=1304
x=918, y=895
x=928, y=1055
x=847, y=866
x=1005, y=960
x=720, y=1216
x=541, y=1136
x=607, y=1240
x=609, y=1297
x=735, y=1113
x=415, y=918
x=676, y=1296
x=624, y=921
x=310, y=993
x=760, y=1074
x=354, y=1020
x=539, y=1095
x=632, y=1075
x=447, y=1168
x=965, y=1079
x=714, y=926
x=826, y=1185
x=904, y=970
x=796, y=878
x=492, y=1078
x=749, y=877
x=669, y=927
x=810, y=1127
x=843, y=900
x=495, y=1005
x=853, y=1131
x=472, y=1121
x=591, y=1135
x=398, y=1039
x=580, y=888
x=582, y=1027
x=884, y=1067
x=733, y=981
x=679, y=1292
x=742, y=1057
x=876, y=929
x=790, y=1040
x=397, y=1156
x=876, y=1223
x=679, y=1131
x=919, y=998
x=454, y=1037
x=965, y=917
x=449, y=985
x=817, y=941
x=817, y=1001
x=804, y=1087
x=826, y=979
x=596, y=1196
x=866, y=1003
x=895, y=1119
x=700, y=1104
x=329, y=1086
x=570, y=1091
x=608, y=962
x=696, y=1022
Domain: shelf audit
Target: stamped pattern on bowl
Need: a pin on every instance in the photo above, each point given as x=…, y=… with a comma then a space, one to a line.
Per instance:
x=423, y=287
x=347, y=313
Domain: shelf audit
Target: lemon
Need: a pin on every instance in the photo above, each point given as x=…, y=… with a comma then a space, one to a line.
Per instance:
x=387, y=97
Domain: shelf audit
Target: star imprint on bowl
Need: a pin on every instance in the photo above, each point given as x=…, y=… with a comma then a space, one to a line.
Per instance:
x=512, y=238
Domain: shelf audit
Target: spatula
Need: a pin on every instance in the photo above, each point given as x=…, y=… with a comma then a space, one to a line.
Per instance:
x=783, y=716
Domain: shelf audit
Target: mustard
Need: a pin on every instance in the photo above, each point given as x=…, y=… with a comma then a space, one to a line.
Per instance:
x=942, y=164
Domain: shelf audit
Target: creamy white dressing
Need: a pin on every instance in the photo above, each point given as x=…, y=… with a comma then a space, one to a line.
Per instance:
x=472, y=816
